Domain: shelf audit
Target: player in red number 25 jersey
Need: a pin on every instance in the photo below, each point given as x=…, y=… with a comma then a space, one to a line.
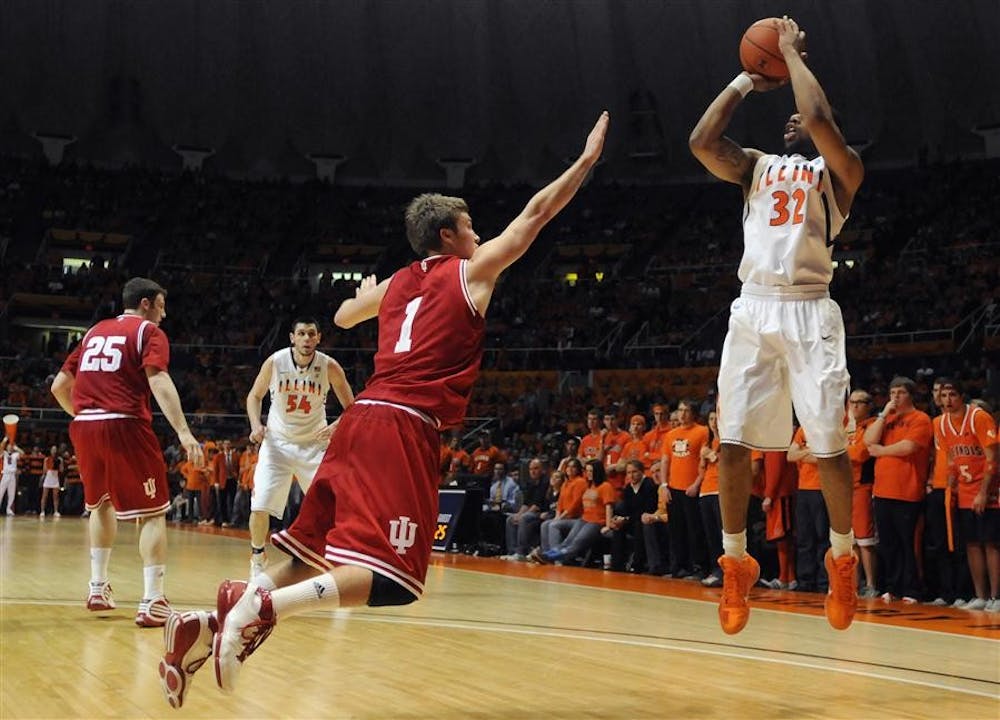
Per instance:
x=105, y=384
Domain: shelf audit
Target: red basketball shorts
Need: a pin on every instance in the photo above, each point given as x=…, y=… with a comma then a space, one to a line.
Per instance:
x=374, y=500
x=121, y=460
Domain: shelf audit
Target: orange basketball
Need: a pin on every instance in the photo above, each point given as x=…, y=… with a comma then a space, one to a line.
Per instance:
x=759, y=51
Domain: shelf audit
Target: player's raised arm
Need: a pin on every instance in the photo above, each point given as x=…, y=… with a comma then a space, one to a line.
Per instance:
x=722, y=156
x=364, y=305
x=817, y=117
x=493, y=257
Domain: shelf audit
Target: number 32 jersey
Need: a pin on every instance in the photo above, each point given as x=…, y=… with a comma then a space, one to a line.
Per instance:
x=789, y=223
x=298, y=396
x=430, y=341
x=109, y=368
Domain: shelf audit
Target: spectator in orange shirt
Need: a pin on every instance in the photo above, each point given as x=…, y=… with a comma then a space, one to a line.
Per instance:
x=568, y=509
x=635, y=448
x=711, y=516
x=863, y=471
x=613, y=443
x=969, y=434
x=812, y=524
x=680, y=472
x=781, y=483
x=453, y=458
x=654, y=438
x=900, y=441
x=592, y=444
x=195, y=484
x=485, y=456
x=945, y=571
x=598, y=500
x=244, y=486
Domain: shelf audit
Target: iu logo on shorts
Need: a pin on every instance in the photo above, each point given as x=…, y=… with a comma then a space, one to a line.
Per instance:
x=149, y=485
x=402, y=534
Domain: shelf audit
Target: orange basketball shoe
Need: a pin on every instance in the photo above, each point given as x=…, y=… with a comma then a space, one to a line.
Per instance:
x=842, y=600
x=738, y=576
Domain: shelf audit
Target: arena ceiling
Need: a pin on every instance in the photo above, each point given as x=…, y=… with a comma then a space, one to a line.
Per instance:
x=394, y=85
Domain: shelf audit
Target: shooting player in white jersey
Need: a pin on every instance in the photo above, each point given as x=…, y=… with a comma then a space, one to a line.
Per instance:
x=786, y=341
x=298, y=379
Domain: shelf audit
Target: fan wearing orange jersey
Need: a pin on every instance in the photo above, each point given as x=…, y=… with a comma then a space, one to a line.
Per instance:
x=862, y=469
x=969, y=435
x=592, y=444
x=708, y=502
x=654, y=438
x=945, y=568
x=680, y=472
x=635, y=447
x=900, y=441
x=780, y=479
x=613, y=442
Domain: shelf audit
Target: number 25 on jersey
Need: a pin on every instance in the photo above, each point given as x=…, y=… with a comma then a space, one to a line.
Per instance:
x=102, y=354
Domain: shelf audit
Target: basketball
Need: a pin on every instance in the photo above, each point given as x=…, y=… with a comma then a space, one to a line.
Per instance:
x=759, y=51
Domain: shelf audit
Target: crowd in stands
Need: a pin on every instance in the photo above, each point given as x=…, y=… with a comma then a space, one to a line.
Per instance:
x=635, y=278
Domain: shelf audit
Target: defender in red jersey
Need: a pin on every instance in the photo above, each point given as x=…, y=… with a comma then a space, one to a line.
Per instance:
x=363, y=535
x=104, y=384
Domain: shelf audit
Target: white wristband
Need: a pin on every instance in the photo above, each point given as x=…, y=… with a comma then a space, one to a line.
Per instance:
x=742, y=84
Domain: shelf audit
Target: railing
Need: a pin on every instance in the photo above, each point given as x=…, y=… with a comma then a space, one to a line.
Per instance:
x=605, y=346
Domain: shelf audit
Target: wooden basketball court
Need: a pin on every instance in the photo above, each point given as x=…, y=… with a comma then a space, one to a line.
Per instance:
x=491, y=639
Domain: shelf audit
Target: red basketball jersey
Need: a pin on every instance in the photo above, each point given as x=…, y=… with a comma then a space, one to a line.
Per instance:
x=430, y=340
x=109, y=367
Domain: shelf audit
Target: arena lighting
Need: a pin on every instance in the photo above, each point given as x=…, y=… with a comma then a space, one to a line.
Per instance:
x=599, y=276
x=571, y=278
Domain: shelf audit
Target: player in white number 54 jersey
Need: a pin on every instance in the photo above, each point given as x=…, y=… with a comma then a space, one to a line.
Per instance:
x=786, y=340
x=298, y=379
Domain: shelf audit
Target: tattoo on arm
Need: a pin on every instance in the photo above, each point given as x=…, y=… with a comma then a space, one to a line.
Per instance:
x=728, y=152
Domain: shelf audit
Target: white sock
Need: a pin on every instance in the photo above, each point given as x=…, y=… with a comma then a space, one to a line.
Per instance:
x=152, y=576
x=99, y=559
x=263, y=580
x=311, y=594
x=734, y=544
x=841, y=544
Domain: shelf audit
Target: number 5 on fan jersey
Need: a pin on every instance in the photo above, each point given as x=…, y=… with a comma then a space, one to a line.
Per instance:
x=405, y=341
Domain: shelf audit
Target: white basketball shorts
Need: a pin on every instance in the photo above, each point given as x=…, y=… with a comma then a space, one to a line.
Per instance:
x=785, y=347
x=277, y=462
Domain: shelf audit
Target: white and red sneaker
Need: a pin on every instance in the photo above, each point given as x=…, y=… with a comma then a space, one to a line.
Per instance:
x=100, y=598
x=245, y=621
x=153, y=612
x=187, y=640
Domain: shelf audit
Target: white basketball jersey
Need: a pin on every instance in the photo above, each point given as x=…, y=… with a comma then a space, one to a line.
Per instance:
x=789, y=222
x=298, y=396
x=10, y=460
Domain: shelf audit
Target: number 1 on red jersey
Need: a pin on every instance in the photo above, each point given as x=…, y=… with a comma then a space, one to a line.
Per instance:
x=405, y=341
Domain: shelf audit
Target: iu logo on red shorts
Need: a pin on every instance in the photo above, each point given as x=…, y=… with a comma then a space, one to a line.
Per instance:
x=402, y=534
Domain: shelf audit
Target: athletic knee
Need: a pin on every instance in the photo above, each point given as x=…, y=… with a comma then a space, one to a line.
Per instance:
x=385, y=592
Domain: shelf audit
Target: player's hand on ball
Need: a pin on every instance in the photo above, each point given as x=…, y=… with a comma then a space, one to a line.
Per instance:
x=764, y=84
x=790, y=37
